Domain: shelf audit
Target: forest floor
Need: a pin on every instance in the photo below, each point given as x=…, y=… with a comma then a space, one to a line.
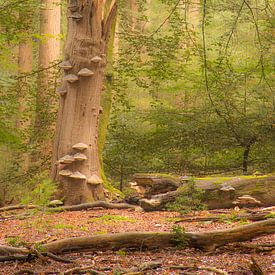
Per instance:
x=51, y=226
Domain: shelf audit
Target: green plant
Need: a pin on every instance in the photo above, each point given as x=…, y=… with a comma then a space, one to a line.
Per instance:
x=112, y=218
x=42, y=193
x=64, y=226
x=270, y=215
x=15, y=241
x=179, y=236
x=190, y=199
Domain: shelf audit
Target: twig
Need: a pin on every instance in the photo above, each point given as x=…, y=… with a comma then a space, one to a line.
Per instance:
x=255, y=268
x=83, y=269
x=197, y=268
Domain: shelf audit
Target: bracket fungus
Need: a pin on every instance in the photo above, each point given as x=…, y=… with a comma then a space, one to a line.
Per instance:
x=65, y=173
x=80, y=157
x=61, y=91
x=95, y=179
x=71, y=78
x=66, y=159
x=227, y=188
x=85, y=72
x=96, y=59
x=246, y=200
x=76, y=16
x=80, y=146
x=78, y=175
x=65, y=65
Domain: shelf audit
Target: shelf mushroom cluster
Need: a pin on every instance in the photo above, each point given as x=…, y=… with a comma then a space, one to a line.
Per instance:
x=79, y=156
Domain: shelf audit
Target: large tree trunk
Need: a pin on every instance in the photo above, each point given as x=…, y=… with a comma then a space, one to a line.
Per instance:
x=79, y=110
x=49, y=54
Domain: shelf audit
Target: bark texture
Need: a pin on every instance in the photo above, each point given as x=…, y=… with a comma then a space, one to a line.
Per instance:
x=49, y=54
x=260, y=188
x=207, y=241
x=88, y=32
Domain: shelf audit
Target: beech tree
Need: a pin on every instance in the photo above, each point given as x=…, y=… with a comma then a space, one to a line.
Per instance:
x=49, y=53
x=76, y=164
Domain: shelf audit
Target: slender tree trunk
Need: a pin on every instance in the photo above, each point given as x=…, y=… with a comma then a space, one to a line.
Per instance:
x=79, y=111
x=49, y=53
x=24, y=66
x=245, y=159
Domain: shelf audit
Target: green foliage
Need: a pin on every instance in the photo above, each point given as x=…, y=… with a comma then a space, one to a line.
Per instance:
x=15, y=241
x=270, y=216
x=112, y=219
x=42, y=193
x=180, y=237
x=190, y=199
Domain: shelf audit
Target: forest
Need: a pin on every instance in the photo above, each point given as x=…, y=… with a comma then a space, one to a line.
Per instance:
x=137, y=137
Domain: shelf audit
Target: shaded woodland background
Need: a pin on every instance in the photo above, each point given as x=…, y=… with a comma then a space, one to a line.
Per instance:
x=191, y=90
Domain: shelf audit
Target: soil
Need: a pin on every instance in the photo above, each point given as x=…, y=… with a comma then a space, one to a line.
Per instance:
x=50, y=226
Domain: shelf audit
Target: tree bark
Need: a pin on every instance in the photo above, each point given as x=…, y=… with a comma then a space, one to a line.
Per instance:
x=207, y=241
x=24, y=67
x=260, y=188
x=49, y=53
x=245, y=159
x=79, y=109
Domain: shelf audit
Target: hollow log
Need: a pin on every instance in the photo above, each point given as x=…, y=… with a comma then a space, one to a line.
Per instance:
x=207, y=241
x=216, y=196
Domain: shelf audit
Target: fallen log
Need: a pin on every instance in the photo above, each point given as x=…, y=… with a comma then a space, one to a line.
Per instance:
x=221, y=195
x=251, y=217
x=207, y=241
x=78, y=207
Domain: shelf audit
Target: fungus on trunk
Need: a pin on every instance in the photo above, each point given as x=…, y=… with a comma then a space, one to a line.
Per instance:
x=77, y=124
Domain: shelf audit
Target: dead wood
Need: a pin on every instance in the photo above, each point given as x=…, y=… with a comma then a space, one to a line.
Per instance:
x=97, y=204
x=207, y=241
x=251, y=217
x=197, y=268
x=17, y=207
x=141, y=268
x=217, y=195
x=78, y=207
x=255, y=267
x=84, y=269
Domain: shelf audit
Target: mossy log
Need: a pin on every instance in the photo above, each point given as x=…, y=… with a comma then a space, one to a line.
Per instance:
x=207, y=241
x=218, y=194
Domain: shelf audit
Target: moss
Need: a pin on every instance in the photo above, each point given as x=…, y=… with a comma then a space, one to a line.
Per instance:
x=159, y=175
x=112, y=218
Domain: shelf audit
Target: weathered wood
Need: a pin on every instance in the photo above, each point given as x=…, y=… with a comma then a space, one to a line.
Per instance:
x=250, y=217
x=262, y=189
x=149, y=240
x=78, y=207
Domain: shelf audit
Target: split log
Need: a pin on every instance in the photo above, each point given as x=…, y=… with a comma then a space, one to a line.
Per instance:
x=217, y=196
x=207, y=241
x=153, y=184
